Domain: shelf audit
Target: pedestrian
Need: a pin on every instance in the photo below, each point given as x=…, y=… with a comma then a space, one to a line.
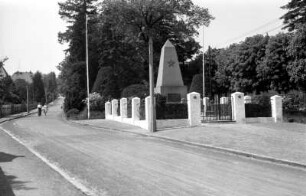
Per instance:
x=45, y=109
x=39, y=107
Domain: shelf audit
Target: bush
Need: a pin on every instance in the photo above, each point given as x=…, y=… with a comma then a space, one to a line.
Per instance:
x=106, y=83
x=136, y=90
x=294, y=101
x=197, y=84
x=72, y=113
x=96, y=102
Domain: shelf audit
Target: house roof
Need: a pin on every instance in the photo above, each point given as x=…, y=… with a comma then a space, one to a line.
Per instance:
x=27, y=76
x=3, y=72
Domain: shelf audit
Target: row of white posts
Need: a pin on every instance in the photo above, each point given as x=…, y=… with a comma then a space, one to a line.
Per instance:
x=194, y=109
x=238, y=107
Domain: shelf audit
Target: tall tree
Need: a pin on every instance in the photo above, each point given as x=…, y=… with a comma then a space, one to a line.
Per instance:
x=296, y=14
x=272, y=72
x=38, y=87
x=250, y=54
x=50, y=85
x=73, y=12
x=161, y=20
x=297, y=51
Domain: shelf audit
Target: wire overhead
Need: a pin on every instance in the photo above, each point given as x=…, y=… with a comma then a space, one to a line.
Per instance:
x=257, y=30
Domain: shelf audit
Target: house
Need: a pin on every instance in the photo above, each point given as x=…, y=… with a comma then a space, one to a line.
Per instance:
x=26, y=76
x=3, y=72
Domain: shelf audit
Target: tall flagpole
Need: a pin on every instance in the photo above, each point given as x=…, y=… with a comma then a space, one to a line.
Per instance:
x=87, y=71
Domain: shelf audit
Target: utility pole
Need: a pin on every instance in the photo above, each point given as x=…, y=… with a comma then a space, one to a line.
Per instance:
x=152, y=123
x=87, y=70
x=203, y=66
x=27, y=99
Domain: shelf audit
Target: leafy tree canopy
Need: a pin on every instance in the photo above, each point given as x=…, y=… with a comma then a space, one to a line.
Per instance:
x=296, y=14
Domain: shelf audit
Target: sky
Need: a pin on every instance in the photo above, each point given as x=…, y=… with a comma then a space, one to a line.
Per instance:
x=29, y=28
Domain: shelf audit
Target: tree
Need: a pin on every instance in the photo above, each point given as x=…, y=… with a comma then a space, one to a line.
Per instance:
x=38, y=87
x=272, y=72
x=21, y=89
x=73, y=12
x=197, y=84
x=165, y=19
x=296, y=14
x=50, y=85
x=250, y=54
x=73, y=79
x=225, y=61
x=106, y=84
x=297, y=51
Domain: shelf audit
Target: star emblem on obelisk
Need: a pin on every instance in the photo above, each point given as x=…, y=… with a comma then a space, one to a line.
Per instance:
x=171, y=63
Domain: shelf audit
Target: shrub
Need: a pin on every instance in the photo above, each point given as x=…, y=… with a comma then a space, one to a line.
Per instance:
x=96, y=102
x=106, y=83
x=72, y=113
x=197, y=84
x=136, y=90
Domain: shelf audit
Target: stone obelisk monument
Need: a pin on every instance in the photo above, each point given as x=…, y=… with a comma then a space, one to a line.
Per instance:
x=169, y=80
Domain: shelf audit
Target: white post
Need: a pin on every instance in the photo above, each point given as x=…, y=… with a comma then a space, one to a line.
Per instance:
x=123, y=107
x=238, y=107
x=147, y=109
x=247, y=99
x=135, y=109
x=194, y=109
x=115, y=107
x=224, y=100
x=108, y=110
x=277, y=108
x=205, y=104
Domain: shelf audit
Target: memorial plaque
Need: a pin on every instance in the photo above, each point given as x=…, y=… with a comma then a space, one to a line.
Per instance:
x=174, y=97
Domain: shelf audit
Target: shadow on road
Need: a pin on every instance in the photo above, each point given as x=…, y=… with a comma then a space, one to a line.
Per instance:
x=9, y=181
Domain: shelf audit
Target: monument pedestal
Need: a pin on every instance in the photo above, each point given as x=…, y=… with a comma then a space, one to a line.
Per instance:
x=173, y=93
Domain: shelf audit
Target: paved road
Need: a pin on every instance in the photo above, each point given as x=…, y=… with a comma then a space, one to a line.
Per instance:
x=115, y=163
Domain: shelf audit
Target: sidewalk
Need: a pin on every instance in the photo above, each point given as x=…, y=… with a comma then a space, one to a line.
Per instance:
x=5, y=187
x=14, y=116
x=283, y=143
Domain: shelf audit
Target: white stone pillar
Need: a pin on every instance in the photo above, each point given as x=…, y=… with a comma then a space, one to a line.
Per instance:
x=123, y=107
x=247, y=99
x=135, y=108
x=194, y=108
x=147, y=108
x=205, y=104
x=115, y=107
x=277, y=108
x=108, y=109
x=238, y=107
x=224, y=100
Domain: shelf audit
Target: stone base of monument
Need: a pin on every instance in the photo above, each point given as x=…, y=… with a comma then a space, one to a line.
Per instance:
x=173, y=93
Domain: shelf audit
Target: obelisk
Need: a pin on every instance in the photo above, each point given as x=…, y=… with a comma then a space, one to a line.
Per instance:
x=169, y=80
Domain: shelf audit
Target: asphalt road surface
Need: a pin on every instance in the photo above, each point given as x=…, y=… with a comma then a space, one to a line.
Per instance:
x=88, y=161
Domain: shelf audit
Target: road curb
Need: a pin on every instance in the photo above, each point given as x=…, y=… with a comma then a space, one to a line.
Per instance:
x=219, y=149
x=16, y=117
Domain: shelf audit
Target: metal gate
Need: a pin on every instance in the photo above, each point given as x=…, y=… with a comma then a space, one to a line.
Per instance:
x=217, y=109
